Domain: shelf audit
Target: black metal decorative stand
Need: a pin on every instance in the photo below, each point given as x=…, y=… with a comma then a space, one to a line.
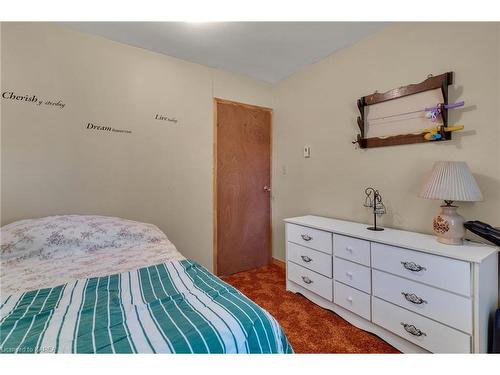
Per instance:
x=373, y=200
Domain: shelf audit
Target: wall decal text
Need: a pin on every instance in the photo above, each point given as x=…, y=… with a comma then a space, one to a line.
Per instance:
x=33, y=99
x=91, y=126
x=165, y=118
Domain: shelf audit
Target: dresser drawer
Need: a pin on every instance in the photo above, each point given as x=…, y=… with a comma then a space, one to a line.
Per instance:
x=421, y=331
x=309, y=258
x=313, y=238
x=352, y=249
x=352, y=274
x=352, y=300
x=310, y=280
x=445, y=307
x=435, y=270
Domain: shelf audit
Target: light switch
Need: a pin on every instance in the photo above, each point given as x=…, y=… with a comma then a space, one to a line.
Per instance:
x=307, y=151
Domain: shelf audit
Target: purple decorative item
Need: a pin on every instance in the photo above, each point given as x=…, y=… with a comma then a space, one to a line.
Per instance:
x=432, y=113
x=454, y=105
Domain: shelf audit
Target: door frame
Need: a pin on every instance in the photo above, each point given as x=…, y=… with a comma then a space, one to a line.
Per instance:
x=217, y=101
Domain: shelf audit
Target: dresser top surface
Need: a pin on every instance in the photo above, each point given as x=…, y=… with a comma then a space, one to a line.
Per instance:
x=469, y=251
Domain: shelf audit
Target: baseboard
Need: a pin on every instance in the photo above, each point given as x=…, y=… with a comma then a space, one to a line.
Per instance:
x=278, y=262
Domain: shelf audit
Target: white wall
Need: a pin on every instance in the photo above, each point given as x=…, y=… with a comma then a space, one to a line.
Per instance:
x=161, y=173
x=317, y=107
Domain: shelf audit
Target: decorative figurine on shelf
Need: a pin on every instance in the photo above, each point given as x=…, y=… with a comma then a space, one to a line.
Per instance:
x=432, y=113
x=433, y=134
x=373, y=200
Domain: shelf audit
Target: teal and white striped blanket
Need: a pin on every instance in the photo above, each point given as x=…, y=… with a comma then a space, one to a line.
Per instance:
x=174, y=307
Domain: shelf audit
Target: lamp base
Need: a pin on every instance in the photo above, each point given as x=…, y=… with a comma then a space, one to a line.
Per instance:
x=448, y=226
x=378, y=229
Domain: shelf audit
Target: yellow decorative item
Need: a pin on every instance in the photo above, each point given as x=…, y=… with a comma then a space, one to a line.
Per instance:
x=433, y=134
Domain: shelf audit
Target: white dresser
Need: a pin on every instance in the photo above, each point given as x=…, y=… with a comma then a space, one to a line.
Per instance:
x=412, y=291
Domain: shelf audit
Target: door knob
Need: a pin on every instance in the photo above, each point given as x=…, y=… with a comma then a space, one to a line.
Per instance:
x=267, y=188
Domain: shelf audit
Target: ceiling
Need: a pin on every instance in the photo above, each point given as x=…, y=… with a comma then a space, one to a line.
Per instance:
x=268, y=51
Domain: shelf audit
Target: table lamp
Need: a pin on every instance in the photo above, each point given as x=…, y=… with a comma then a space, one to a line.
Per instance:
x=450, y=181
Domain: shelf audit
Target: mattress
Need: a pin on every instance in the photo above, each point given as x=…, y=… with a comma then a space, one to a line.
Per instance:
x=93, y=284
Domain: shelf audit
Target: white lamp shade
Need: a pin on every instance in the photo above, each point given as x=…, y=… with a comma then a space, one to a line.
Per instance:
x=451, y=181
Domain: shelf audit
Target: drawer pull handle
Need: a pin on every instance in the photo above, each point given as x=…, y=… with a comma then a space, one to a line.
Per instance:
x=306, y=259
x=305, y=237
x=413, y=298
x=307, y=280
x=412, y=266
x=349, y=249
x=349, y=274
x=411, y=329
x=349, y=299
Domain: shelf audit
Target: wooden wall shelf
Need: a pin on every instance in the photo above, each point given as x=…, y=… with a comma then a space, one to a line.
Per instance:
x=441, y=81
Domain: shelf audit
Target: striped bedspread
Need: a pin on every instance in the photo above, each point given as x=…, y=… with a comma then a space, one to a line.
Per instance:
x=174, y=307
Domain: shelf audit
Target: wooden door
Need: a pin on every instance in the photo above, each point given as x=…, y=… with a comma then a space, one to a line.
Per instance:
x=242, y=193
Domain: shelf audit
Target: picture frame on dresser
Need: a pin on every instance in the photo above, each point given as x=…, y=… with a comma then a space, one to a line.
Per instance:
x=417, y=294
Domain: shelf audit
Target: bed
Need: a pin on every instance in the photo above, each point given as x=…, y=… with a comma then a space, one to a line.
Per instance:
x=95, y=284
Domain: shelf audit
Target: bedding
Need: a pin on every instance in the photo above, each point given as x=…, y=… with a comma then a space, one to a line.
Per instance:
x=94, y=300
x=38, y=253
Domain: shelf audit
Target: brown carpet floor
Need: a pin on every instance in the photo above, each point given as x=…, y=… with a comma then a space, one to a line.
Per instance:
x=309, y=328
